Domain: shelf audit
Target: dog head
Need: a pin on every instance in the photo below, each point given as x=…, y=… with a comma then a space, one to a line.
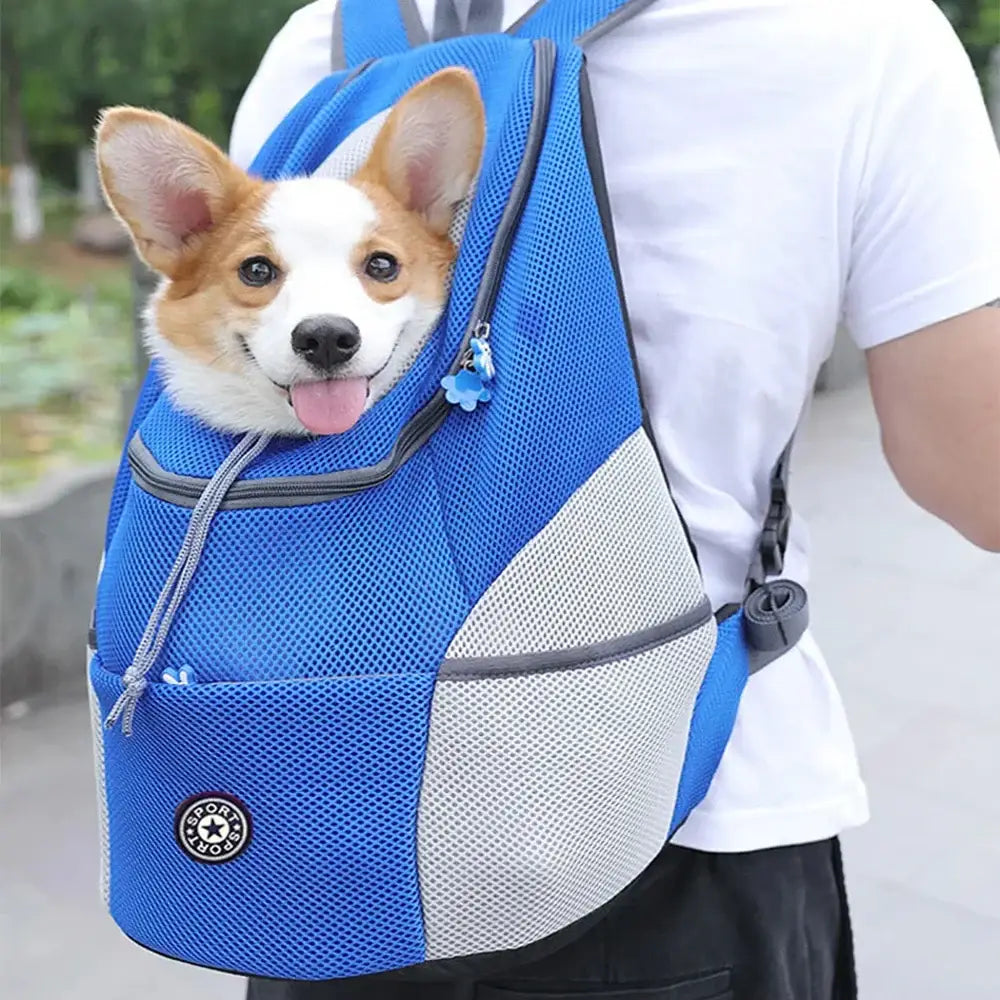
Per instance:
x=288, y=307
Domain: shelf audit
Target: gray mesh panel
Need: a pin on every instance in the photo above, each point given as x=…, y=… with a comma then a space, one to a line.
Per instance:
x=545, y=794
x=612, y=562
x=97, y=729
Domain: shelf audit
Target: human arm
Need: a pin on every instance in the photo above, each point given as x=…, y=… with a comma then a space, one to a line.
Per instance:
x=925, y=262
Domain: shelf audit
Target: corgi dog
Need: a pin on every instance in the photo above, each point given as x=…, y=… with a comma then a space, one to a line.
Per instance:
x=290, y=307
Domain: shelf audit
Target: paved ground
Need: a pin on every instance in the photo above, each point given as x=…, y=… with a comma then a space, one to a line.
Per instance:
x=919, y=671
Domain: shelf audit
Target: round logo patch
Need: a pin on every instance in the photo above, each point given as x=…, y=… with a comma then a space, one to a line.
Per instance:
x=212, y=827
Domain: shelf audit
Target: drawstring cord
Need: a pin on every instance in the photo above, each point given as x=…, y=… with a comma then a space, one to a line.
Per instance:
x=173, y=592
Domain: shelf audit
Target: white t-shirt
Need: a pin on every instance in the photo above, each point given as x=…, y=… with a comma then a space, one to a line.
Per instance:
x=774, y=166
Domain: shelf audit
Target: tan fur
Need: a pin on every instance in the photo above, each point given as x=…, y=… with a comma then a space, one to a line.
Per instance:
x=452, y=88
x=425, y=258
x=206, y=293
x=204, y=288
x=204, y=305
x=417, y=240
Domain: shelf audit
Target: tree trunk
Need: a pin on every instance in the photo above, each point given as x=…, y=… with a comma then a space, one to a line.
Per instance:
x=88, y=187
x=26, y=207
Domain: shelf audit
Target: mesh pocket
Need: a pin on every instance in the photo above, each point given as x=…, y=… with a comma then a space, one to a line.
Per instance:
x=546, y=792
x=328, y=772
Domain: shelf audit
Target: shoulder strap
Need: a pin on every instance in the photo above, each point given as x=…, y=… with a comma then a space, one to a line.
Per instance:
x=577, y=21
x=363, y=30
x=775, y=611
x=769, y=554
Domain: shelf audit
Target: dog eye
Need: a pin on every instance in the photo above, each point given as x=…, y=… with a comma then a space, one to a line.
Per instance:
x=257, y=271
x=382, y=267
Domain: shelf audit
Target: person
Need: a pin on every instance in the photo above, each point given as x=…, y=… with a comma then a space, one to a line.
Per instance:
x=776, y=169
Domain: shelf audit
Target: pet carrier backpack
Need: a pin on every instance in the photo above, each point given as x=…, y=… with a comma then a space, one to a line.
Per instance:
x=442, y=686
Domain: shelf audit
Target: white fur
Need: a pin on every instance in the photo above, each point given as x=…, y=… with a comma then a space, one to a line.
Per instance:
x=169, y=184
x=314, y=225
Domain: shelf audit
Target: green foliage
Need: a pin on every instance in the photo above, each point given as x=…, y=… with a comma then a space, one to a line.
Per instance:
x=193, y=59
x=189, y=58
x=977, y=23
x=23, y=291
x=66, y=358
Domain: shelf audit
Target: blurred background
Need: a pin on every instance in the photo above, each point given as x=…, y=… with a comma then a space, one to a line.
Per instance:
x=66, y=299
x=925, y=873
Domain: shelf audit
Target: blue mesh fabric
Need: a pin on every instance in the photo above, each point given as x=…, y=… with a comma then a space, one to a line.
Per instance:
x=713, y=717
x=330, y=772
x=565, y=20
x=316, y=631
x=369, y=37
x=354, y=586
x=564, y=399
x=149, y=393
x=564, y=372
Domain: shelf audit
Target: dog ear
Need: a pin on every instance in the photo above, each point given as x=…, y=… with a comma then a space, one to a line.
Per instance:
x=428, y=151
x=167, y=183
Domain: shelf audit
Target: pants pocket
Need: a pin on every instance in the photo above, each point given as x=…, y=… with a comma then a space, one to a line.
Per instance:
x=707, y=986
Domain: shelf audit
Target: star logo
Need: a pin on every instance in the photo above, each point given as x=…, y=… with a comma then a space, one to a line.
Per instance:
x=212, y=827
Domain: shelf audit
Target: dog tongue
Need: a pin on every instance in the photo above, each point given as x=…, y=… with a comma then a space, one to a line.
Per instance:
x=330, y=407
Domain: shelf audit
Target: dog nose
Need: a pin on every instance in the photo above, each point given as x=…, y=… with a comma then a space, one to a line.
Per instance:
x=326, y=341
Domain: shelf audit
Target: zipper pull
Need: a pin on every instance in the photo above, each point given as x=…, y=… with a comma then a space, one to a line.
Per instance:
x=469, y=386
x=482, y=359
x=465, y=389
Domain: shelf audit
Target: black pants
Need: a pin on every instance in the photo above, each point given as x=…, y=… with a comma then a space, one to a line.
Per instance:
x=766, y=925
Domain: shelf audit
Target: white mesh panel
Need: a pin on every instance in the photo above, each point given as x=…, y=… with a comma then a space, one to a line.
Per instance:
x=545, y=794
x=97, y=730
x=612, y=562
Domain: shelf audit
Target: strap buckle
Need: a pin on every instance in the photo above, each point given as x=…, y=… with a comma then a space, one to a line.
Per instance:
x=774, y=536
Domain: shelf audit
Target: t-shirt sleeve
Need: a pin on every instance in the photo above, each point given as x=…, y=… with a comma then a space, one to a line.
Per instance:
x=295, y=61
x=926, y=236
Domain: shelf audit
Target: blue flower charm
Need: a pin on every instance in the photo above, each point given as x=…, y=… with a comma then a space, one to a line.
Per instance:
x=185, y=675
x=482, y=359
x=465, y=389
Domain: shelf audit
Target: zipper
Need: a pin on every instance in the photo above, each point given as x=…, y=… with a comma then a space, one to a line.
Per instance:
x=496, y=261
x=596, y=654
x=359, y=70
x=293, y=491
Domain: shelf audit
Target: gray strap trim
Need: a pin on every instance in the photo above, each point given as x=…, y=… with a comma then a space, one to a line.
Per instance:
x=338, y=60
x=416, y=33
x=579, y=657
x=485, y=17
x=446, y=22
x=482, y=17
x=624, y=13
x=768, y=558
x=545, y=61
x=760, y=659
x=356, y=72
x=288, y=491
